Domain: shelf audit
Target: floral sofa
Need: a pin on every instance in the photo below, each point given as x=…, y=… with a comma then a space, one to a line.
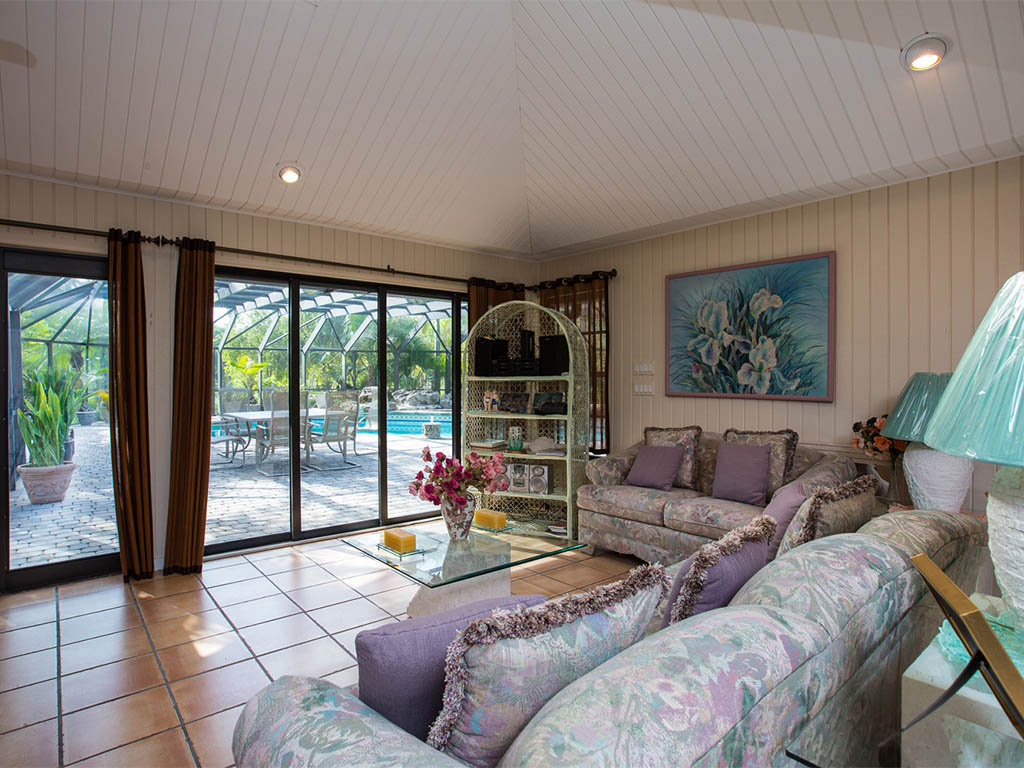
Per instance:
x=668, y=526
x=807, y=657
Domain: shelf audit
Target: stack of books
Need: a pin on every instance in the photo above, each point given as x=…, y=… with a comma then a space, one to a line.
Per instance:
x=488, y=445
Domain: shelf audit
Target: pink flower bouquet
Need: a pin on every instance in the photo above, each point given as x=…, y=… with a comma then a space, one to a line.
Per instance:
x=447, y=479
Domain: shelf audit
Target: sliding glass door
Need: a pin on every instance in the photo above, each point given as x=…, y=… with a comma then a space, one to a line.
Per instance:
x=59, y=516
x=421, y=392
x=318, y=425
x=250, y=431
x=338, y=368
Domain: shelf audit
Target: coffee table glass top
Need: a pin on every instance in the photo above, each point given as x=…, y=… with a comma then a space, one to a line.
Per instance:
x=443, y=561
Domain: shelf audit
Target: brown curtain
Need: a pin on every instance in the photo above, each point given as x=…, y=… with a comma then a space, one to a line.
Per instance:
x=584, y=299
x=190, y=425
x=129, y=404
x=484, y=294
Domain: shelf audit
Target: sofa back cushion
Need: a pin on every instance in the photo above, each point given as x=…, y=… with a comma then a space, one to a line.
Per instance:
x=943, y=536
x=707, y=460
x=670, y=699
x=783, y=448
x=828, y=511
x=827, y=472
x=686, y=438
x=408, y=657
x=714, y=573
x=741, y=473
x=501, y=670
x=656, y=466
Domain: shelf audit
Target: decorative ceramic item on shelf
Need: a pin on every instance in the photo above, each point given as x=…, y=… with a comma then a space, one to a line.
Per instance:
x=936, y=480
x=445, y=482
x=980, y=417
x=515, y=438
x=491, y=401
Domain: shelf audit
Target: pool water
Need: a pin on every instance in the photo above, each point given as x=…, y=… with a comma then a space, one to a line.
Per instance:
x=399, y=423
x=411, y=422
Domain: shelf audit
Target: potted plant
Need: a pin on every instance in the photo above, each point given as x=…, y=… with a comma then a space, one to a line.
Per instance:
x=245, y=373
x=45, y=424
x=445, y=483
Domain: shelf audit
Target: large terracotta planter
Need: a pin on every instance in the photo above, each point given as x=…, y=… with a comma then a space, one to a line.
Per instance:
x=46, y=485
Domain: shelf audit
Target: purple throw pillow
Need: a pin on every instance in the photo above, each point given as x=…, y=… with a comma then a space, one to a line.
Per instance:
x=741, y=473
x=713, y=574
x=656, y=466
x=401, y=665
x=783, y=508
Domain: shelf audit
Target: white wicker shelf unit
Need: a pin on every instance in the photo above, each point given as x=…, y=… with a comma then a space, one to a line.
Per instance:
x=532, y=512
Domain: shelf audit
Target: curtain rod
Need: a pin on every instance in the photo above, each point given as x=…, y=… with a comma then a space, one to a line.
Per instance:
x=160, y=240
x=510, y=286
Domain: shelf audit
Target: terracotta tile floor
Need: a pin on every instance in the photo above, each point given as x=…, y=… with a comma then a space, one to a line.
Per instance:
x=155, y=673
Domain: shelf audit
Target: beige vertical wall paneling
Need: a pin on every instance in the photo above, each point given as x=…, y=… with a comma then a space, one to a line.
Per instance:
x=917, y=265
x=55, y=203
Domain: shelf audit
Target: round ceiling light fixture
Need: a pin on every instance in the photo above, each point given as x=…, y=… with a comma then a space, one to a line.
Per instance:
x=289, y=173
x=924, y=52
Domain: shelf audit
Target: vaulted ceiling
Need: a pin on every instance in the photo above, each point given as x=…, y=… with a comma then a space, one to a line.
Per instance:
x=523, y=128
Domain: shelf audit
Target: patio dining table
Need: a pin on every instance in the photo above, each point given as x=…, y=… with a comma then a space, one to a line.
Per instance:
x=251, y=418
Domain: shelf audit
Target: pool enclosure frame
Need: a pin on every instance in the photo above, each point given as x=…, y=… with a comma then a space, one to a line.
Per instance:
x=296, y=373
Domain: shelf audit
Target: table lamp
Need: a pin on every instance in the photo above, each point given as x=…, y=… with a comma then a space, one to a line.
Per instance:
x=981, y=416
x=936, y=480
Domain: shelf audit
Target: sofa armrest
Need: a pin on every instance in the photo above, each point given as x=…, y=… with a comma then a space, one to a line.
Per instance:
x=613, y=468
x=304, y=721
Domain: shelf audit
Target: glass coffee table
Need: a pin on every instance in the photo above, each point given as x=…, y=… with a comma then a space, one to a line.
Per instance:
x=453, y=573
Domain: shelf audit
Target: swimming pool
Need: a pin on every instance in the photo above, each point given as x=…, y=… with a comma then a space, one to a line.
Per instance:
x=411, y=422
x=399, y=423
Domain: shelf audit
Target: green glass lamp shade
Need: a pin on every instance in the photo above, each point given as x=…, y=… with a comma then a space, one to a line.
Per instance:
x=981, y=413
x=918, y=400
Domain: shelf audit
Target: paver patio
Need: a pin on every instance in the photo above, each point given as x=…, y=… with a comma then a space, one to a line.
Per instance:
x=243, y=503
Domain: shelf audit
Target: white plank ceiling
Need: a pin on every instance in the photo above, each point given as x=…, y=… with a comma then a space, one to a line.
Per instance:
x=524, y=128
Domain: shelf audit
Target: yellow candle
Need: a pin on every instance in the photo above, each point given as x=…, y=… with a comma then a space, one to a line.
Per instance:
x=399, y=540
x=490, y=518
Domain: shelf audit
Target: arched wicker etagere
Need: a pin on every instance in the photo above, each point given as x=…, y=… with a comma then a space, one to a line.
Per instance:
x=527, y=510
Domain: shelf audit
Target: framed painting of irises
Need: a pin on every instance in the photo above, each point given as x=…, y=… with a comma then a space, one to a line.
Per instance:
x=761, y=330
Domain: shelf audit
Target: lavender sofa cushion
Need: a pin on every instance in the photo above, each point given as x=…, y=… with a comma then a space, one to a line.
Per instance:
x=401, y=665
x=501, y=670
x=783, y=508
x=656, y=466
x=741, y=473
x=712, y=575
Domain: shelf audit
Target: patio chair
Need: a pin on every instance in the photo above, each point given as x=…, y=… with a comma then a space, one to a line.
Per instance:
x=231, y=441
x=239, y=433
x=234, y=400
x=274, y=433
x=368, y=407
x=338, y=428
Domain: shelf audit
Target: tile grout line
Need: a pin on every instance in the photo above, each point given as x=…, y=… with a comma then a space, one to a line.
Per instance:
x=167, y=684
x=301, y=609
x=234, y=627
x=60, y=701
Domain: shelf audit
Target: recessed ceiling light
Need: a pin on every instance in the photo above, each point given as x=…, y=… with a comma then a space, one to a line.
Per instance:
x=289, y=173
x=924, y=52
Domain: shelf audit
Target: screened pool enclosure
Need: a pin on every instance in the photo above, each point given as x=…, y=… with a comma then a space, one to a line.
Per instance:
x=374, y=373
x=323, y=397
x=58, y=330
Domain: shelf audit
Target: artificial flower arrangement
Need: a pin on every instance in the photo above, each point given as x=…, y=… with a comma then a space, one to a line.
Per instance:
x=445, y=482
x=867, y=435
x=445, y=478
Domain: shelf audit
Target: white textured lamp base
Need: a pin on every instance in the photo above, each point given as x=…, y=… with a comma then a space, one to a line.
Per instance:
x=936, y=480
x=1006, y=536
